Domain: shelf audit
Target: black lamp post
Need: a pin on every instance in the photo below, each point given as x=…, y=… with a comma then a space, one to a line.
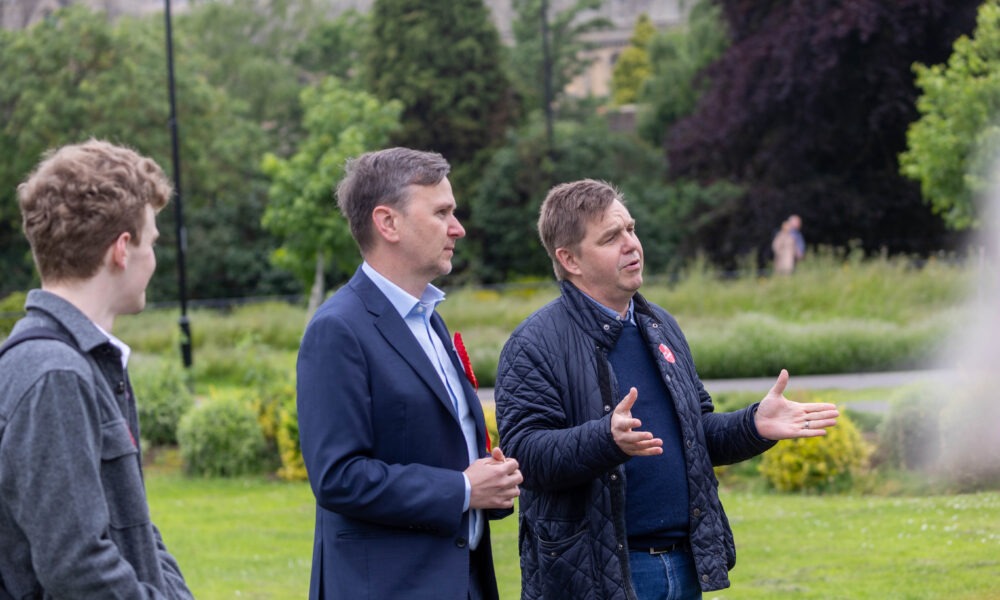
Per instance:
x=185, y=325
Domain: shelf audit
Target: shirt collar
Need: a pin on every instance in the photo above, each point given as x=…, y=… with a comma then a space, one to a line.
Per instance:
x=629, y=316
x=117, y=343
x=404, y=302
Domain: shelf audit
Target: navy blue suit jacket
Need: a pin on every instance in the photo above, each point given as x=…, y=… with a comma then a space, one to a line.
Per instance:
x=385, y=454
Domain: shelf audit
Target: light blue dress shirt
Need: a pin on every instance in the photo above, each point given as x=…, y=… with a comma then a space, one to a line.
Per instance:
x=416, y=314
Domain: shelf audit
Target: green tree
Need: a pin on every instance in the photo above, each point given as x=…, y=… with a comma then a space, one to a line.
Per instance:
x=515, y=181
x=442, y=59
x=633, y=67
x=249, y=48
x=953, y=147
x=335, y=48
x=75, y=75
x=677, y=56
x=340, y=123
x=567, y=46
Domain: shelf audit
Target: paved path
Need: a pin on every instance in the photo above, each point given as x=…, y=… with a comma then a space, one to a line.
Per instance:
x=850, y=381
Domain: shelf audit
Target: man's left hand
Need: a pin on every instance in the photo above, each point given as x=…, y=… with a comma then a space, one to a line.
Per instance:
x=779, y=418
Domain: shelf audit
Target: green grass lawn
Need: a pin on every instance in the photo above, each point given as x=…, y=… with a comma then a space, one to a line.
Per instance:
x=252, y=538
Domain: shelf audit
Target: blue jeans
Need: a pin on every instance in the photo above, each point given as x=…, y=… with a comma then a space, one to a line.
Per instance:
x=668, y=576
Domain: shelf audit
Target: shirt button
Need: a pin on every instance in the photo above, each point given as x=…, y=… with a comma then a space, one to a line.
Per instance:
x=655, y=326
x=607, y=327
x=461, y=542
x=620, y=547
x=704, y=577
x=689, y=443
x=607, y=408
x=697, y=512
x=120, y=388
x=614, y=477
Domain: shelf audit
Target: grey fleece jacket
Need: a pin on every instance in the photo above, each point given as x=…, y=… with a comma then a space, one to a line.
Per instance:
x=74, y=522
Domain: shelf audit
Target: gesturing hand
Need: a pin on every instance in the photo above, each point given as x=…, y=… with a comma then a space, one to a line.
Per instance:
x=633, y=443
x=494, y=481
x=779, y=418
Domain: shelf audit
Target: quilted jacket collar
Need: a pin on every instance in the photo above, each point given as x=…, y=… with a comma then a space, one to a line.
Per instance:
x=597, y=324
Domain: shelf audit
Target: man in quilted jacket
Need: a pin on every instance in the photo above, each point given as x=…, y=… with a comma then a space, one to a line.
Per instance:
x=600, y=403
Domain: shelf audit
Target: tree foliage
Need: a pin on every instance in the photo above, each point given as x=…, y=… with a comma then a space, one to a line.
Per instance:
x=442, y=60
x=676, y=57
x=239, y=69
x=807, y=110
x=513, y=184
x=75, y=76
x=633, y=67
x=340, y=123
x=953, y=148
x=567, y=46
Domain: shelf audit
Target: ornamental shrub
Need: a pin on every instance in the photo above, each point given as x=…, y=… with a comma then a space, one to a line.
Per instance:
x=909, y=436
x=221, y=438
x=293, y=468
x=820, y=464
x=162, y=397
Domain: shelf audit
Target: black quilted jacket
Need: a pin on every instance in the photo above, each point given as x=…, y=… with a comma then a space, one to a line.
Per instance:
x=555, y=392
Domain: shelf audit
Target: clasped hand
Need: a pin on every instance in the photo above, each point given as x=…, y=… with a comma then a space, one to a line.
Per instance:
x=494, y=481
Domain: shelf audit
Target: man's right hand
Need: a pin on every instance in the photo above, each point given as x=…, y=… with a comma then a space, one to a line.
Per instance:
x=623, y=429
x=494, y=481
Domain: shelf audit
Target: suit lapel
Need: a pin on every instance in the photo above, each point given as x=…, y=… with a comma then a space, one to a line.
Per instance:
x=472, y=398
x=399, y=337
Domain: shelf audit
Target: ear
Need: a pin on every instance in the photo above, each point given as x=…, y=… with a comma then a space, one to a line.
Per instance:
x=568, y=261
x=119, y=249
x=385, y=220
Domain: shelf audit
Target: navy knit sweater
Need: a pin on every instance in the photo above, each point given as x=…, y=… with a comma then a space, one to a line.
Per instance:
x=656, y=492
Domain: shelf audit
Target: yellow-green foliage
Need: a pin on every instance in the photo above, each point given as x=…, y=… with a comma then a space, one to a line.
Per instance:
x=818, y=464
x=293, y=468
x=490, y=414
x=11, y=309
x=276, y=412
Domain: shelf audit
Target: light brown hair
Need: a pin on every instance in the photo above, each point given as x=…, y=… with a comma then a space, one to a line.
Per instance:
x=380, y=179
x=566, y=211
x=80, y=198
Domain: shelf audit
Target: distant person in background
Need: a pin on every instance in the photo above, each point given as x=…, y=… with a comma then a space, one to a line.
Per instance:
x=800, y=243
x=785, y=250
x=74, y=522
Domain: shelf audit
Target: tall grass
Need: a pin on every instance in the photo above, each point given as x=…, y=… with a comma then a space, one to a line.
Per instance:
x=837, y=313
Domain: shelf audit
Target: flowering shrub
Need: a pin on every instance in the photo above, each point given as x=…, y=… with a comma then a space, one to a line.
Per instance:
x=818, y=464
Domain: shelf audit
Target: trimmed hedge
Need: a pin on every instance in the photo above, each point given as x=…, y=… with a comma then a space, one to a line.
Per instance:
x=222, y=438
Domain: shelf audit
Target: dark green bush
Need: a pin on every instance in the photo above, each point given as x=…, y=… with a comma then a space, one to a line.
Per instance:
x=909, y=436
x=222, y=437
x=162, y=397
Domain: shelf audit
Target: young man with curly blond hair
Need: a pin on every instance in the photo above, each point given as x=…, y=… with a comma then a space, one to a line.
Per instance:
x=73, y=514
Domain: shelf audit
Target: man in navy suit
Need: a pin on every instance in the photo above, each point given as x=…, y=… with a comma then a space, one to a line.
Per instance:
x=391, y=429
